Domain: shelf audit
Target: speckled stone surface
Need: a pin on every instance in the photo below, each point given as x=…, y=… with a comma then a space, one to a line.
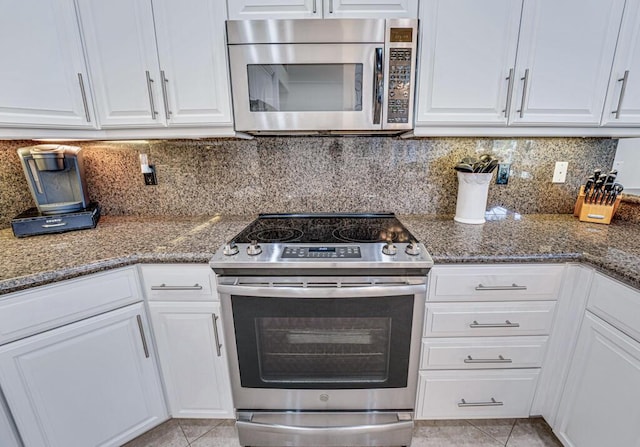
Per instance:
x=119, y=241
x=315, y=174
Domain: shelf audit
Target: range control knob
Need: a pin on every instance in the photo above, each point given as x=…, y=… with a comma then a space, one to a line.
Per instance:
x=413, y=249
x=389, y=249
x=254, y=249
x=230, y=249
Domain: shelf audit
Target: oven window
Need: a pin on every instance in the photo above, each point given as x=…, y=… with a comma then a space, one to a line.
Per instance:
x=345, y=343
x=305, y=87
x=330, y=349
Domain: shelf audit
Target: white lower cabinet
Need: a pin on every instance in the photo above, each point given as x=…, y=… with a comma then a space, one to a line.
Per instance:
x=600, y=404
x=90, y=383
x=192, y=358
x=475, y=394
x=486, y=331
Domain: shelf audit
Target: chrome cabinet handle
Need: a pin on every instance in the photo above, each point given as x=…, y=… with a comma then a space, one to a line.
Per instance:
x=491, y=403
x=84, y=98
x=330, y=6
x=378, y=81
x=165, y=96
x=525, y=85
x=623, y=90
x=166, y=287
x=500, y=359
x=154, y=113
x=513, y=286
x=61, y=224
x=144, y=339
x=315, y=6
x=507, y=323
x=215, y=334
x=507, y=106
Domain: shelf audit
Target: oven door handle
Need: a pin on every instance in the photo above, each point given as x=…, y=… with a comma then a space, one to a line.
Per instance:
x=329, y=291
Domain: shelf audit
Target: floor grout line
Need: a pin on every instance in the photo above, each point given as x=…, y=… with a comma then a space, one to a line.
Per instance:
x=511, y=432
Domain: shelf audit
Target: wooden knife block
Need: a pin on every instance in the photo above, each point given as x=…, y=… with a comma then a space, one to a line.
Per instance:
x=589, y=212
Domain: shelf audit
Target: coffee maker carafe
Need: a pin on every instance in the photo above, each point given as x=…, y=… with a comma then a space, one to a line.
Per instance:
x=55, y=174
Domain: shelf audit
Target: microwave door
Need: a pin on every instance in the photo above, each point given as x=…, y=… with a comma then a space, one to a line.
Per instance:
x=307, y=87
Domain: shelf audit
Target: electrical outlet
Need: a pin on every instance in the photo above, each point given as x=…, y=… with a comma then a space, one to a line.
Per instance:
x=503, y=173
x=560, y=172
x=150, y=177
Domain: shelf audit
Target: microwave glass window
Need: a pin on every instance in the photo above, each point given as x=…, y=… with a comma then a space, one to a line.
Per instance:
x=305, y=87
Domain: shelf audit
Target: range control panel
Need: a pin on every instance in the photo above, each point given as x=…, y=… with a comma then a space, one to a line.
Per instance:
x=322, y=252
x=399, y=85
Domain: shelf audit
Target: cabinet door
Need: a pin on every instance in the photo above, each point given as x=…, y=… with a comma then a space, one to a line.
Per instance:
x=193, y=61
x=43, y=80
x=370, y=9
x=623, y=107
x=94, y=382
x=274, y=9
x=192, y=358
x=121, y=48
x=468, y=52
x=565, y=53
x=600, y=403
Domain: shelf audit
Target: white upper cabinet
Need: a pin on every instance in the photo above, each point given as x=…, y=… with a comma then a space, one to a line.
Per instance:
x=274, y=9
x=564, y=57
x=120, y=41
x=468, y=51
x=358, y=9
x=43, y=79
x=193, y=61
x=317, y=9
x=146, y=74
x=623, y=98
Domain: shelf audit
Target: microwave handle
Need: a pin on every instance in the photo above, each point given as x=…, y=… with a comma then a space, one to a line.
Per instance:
x=378, y=85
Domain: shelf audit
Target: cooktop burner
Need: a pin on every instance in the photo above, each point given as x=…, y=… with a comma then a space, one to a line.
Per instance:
x=324, y=228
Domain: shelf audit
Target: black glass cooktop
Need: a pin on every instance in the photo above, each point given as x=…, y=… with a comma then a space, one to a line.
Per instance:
x=324, y=228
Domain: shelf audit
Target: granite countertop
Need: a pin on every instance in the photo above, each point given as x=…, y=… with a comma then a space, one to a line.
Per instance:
x=119, y=241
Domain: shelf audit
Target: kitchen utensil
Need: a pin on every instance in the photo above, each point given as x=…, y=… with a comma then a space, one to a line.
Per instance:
x=587, y=186
x=463, y=167
x=491, y=166
x=617, y=189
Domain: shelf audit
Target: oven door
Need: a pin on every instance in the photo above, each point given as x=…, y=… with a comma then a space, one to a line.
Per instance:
x=307, y=87
x=323, y=343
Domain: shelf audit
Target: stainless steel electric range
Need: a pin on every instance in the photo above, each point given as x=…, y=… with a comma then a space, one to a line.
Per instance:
x=323, y=317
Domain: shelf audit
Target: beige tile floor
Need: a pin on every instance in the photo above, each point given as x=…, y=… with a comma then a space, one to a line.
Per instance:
x=473, y=433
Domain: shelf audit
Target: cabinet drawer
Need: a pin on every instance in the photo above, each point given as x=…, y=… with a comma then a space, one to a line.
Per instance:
x=617, y=304
x=171, y=282
x=495, y=283
x=43, y=308
x=475, y=394
x=488, y=319
x=482, y=353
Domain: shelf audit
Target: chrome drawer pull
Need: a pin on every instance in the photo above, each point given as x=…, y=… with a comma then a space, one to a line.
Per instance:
x=624, y=80
x=61, y=224
x=500, y=359
x=142, y=336
x=215, y=335
x=492, y=403
x=513, y=286
x=507, y=323
x=166, y=287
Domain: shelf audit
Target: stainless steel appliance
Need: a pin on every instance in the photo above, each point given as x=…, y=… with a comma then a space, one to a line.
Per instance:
x=55, y=175
x=322, y=75
x=323, y=314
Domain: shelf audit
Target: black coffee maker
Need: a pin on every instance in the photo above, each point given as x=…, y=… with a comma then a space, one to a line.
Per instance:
x=55, y=174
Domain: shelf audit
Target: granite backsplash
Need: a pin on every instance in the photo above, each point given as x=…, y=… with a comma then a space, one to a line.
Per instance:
x=314, y=174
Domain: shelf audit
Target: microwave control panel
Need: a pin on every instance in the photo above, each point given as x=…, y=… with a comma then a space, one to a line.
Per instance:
x=399, y=93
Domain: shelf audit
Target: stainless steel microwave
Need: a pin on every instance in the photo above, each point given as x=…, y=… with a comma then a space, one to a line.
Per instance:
x=322, y=75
